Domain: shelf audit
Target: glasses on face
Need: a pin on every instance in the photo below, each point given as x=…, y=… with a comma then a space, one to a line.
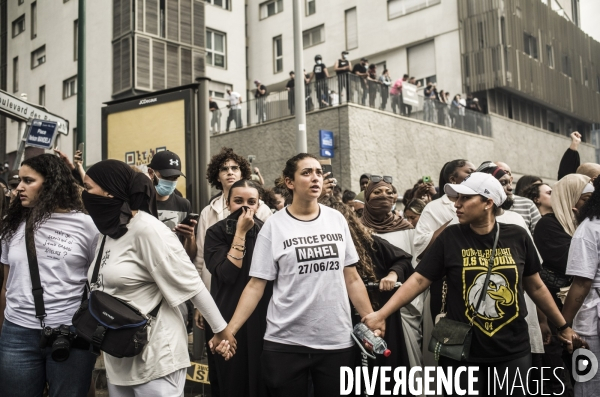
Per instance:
x=378, y=178
x=233, y=168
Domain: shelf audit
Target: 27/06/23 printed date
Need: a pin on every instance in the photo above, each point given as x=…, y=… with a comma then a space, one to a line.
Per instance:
x=318, y=267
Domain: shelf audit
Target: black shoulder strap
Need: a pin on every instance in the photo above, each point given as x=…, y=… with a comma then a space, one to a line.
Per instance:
x=483, y=294
x=98, y=258
x=34, y=271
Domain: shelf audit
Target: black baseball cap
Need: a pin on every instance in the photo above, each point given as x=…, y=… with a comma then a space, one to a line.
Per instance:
x=167, y=163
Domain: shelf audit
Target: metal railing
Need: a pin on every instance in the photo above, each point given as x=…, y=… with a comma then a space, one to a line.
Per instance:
x=348, y=88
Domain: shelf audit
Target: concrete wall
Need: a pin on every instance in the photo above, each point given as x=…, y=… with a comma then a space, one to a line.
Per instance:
x=381, y=143
x=275, y=142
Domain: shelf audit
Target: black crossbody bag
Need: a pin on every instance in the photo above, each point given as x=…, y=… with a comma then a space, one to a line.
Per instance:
x=451, y=338
x=110, y=324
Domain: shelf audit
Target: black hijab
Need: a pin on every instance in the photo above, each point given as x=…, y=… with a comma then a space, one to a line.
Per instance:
x=132, y=191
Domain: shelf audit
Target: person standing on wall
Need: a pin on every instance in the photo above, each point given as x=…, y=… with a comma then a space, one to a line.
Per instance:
x=260, y=94
x=215, y=119
x=342, y=67
x=235, y=109
x=320, y=75
x=360, y=71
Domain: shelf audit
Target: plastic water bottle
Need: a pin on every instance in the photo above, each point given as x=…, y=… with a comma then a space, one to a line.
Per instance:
x=374, y=343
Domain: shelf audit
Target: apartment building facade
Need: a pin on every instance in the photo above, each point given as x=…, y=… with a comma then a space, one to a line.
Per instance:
x=137, y=46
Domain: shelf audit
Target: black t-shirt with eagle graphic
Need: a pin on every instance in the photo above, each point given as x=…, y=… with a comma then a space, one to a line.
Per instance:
x=500, y=331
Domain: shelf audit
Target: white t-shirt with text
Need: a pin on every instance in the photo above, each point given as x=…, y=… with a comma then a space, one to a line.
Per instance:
x=145, y=266
x=306, y=260
x=65, y=246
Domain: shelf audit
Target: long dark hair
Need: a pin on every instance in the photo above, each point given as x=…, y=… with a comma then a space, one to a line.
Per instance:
x=291, y=166
x=524, y=182
x=59, y=191
x=448, y=170
x=591, y=208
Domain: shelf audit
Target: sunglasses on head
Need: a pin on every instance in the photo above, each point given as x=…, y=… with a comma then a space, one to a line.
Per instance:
x=378, y=178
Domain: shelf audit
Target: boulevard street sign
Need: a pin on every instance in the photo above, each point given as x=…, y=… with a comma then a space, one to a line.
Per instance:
x=17, y=109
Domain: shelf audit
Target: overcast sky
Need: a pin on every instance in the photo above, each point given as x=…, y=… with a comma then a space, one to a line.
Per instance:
x=590, y=11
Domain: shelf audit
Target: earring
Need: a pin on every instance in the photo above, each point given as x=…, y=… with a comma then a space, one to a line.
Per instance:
x=486, y=208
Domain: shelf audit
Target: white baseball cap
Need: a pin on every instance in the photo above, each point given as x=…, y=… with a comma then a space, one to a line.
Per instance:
x=478, y=183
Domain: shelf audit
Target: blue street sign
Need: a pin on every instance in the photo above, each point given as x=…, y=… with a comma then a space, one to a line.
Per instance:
x=41, y=134
x=326, y=152
x=326, y=139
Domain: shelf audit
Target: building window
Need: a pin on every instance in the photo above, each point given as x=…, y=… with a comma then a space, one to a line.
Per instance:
x=70, y=87
x=585, y=77
x=270, y=8
x=598, y=83
x=566, y=65
x=530, y=45
x=351, y=29
x=75, y=39
x=311, y=7
x=21, y=2
x=15, y=74
x=313, y=36
x=216, y=94
x=33, y=20
x=277, y=54
x=215, y=48
x=219, y=3
x=398, y=8
x=18, y=26
x=38, y=57
x=42, y=96
x=550, y=56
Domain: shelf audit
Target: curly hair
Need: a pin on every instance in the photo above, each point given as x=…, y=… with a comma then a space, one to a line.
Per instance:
x=59, y=191
x=226, y=154
x=362, y=238
x=591, y=208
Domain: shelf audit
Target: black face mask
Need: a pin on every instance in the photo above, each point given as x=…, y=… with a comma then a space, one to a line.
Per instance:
x=109, y=214
x=231, y=223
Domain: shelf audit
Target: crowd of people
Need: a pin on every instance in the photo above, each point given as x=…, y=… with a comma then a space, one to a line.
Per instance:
x=277, y=277
x=354, y=83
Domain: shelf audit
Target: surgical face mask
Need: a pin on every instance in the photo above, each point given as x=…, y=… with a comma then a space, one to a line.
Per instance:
x=366, y=65
x=165, y=188
x=319, y=62
x=345, y=56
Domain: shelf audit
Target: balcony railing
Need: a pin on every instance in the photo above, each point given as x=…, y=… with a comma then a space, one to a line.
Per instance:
x=348, y=88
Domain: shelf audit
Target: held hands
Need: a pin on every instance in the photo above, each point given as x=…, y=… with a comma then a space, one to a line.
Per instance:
x=388, y=282
x=245, y=221
x=546, y=332
x=187, y=231
x=223, y=343
x=376, y=322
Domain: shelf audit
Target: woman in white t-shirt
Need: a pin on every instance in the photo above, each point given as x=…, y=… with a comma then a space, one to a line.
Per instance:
x=582, y=306
x=49, y=203
x=144, y=264
x=307, y=251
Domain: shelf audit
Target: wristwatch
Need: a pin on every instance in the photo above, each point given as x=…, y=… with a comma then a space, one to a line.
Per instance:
x=562, y=328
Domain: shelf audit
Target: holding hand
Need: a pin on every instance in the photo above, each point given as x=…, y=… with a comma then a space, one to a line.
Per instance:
x=223, y=343
x=388, y=282
x=64, y=158
x=375, y=322
x=187, y=231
